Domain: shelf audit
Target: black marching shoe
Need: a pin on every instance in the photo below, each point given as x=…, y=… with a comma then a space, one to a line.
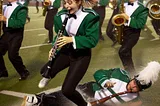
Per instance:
x=24, y=76
x=101, y=38
x=3, y=74
x=29, y=19
x=114, y=43
x=49, y=41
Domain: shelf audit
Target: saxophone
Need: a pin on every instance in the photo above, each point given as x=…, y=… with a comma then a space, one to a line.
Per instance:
x=118, y=20
x=1, y=12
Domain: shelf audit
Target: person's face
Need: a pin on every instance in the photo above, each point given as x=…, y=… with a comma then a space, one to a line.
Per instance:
x=71, y=5
x=132, y=86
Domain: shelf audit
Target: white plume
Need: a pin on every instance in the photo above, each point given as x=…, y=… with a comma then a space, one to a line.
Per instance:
x=149, y=73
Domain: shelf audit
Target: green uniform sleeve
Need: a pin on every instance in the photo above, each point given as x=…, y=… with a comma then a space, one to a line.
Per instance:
x=139, y=20
x=103, y=2
x=101, y=75
x=90, y=38
x=57, y=3
x=19, y=20
x=26, y=3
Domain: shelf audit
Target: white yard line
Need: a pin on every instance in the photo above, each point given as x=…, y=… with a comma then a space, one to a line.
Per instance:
x=43, y=34
x=34, y=29
x=26, y=47
x=21, y=95
x=13, y=93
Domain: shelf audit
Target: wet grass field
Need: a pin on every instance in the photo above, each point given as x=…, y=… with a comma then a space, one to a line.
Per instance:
x=34, y=52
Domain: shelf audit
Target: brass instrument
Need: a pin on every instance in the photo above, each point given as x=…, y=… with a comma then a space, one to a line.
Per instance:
x=47, y=2
x=1, y=12
x=112, y=4
x=154, y=9
x=118, y=20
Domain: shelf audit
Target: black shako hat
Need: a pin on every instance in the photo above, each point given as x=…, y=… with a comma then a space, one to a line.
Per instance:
x=148, y=75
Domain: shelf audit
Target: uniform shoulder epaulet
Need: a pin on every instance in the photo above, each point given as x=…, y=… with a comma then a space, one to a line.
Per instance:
x=20, y=4
x=124, y=72
x=140, y=3
x=89, y=11
x=63, y=11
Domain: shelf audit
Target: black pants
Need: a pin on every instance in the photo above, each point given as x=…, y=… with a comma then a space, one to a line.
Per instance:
x=11, y=42
x=58, y=99
x=49, y=22
x=37, y=5
x=130, y=38
x=101, y=11
x=78, y=65
x=156, y=26
x=110, y=26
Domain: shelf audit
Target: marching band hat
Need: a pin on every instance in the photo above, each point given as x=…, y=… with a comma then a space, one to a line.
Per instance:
x=148, y=75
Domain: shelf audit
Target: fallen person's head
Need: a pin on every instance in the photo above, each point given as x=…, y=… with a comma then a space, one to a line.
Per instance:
x=145, y=78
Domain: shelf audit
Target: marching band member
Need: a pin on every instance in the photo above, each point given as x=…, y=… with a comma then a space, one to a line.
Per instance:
x=52, y=8
x=136, y=16
x=112, y=81
x=80, y=35
x=25, y=3
x=110, y=26
x=100, y=8
x=14, y=19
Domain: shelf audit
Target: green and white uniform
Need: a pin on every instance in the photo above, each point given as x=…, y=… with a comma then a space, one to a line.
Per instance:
x=84, y=29
x=16, y=15
x=120, y=78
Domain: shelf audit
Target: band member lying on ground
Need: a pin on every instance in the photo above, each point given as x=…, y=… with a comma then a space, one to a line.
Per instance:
x=108, y=82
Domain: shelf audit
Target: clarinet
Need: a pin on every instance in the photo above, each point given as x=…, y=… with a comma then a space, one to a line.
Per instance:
x=55, y=48
x=100, y=101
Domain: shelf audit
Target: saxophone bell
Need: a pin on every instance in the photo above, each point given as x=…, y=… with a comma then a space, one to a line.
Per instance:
x=154, y=9
x=118, y=20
